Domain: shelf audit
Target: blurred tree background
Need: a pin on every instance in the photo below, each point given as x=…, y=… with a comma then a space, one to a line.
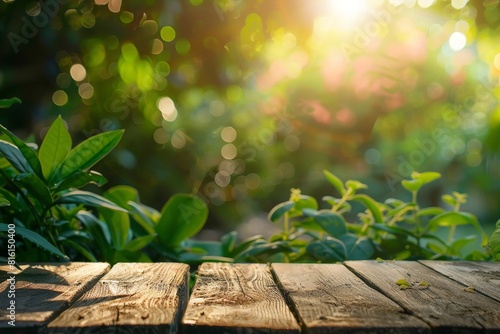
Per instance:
x=239, y=101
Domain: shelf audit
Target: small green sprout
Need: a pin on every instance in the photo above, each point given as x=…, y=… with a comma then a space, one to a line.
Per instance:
x=470, y=289
x=403, y=284
x=423, y=285
x=380, y=260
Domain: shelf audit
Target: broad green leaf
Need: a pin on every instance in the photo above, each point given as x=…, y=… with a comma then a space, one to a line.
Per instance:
x=88, y=198
x=141, y=216
x=119, y=226
x=35, y=238
x=121, y=195
x=411, y=185
x=448, y=219
x=119, y=222
x=430, y=211
x=306, y=202
x=327, y=250
x=55, y=147
x=358, y=248
x=88, y=153
x=81, y=179
x=35, y=187
x=355, y=185
x=425, y=177
x=182, y=217
x=15, y=157
x=331, y=222
x=6, y=103
x=308, y=224
x=335, y=181
x=279, y=210
x=28, y=153
x=139, y=243
x=371, y=205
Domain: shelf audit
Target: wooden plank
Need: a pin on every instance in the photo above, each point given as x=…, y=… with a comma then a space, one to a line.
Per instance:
x=444, y=304
x=237, y=298
x=331, y=299
x=42, y=291
x=131, y=298
x=484, y=277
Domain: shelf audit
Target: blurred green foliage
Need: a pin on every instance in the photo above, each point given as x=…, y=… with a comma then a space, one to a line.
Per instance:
x=237, y=100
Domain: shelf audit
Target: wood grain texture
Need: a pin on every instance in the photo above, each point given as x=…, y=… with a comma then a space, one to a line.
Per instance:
x=484, y=277
x=43, y=290
x=444, y=304
x=237, y=298
x=331, y=299
x=131, y=298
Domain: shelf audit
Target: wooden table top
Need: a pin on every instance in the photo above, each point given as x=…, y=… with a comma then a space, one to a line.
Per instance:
x=350, y=297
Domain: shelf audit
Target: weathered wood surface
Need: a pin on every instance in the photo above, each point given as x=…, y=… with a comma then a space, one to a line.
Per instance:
x=483, y=277
x=444, y=304
x=237, y=298
x=131, y=298
x=331, y=299
x=43, y=290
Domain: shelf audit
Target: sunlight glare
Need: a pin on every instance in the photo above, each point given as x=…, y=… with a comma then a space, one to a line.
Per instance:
x=349, y=12
x=457, y=41
x=167, y=109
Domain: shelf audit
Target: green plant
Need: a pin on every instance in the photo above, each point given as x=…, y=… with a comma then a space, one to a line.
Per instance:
x=394, y=229
x=494, y=242
x=41, y=200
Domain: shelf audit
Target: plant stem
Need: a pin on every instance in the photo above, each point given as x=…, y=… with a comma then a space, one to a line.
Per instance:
x=342, y=200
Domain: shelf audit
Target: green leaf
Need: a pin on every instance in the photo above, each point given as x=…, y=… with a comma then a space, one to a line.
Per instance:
x=355, y=185
x=331, y=222
x=425, y=177
x=6, y=103
x=55, y=147
x=139, y=243
x=88, y=198
x=4, y=201
x=494, y=243
x=182, y=217
x=357, y=248
x=140, y=215
x=371, y=205
x=27, y=151
x=411, y=185
x=327, y=250
x=35, y=238
x=430, y=211
x=279, y=210
x=98, y=229
x=119, y=226
x=448, y=219
x=451, y=200
x=35, y=187
x=228, y=241
x=88, y=153
x=122, y=195
x=80, y=249
x=335, y=181
x=81, y=179
x=15, y=157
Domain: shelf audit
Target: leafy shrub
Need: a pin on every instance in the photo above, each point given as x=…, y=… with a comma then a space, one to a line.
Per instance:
x=42, y=201
x=393, y=229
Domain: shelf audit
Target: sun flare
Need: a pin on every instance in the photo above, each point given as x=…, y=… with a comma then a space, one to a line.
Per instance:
x=348, y=13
